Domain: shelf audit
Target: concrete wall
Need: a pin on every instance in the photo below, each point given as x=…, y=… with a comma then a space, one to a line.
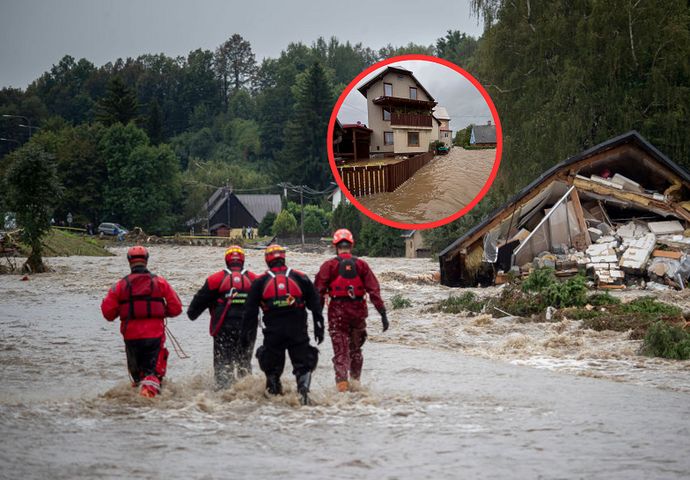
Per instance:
x=400, y=139
x=401, y=88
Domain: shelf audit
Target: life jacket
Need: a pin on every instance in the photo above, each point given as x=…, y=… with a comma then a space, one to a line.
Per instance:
x=281, y=292
x=232, y=292
x=143, y=298
x=348, y=285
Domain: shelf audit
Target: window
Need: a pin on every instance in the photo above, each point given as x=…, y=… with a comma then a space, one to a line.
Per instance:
x=386, y=115
x=388, y=138
x=387, y=89
x=412, y=139
x=413, y=93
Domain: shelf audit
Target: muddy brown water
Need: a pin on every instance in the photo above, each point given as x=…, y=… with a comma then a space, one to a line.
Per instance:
x=443, y=396
x=439, y=189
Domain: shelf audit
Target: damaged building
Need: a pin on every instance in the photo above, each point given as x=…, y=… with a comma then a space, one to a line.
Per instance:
x=618, y=211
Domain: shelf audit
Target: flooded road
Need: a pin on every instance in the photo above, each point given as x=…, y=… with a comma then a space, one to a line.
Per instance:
x=439, y=189
x=427, y=408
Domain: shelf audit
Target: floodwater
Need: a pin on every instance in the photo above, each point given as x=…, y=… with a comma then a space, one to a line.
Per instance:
x=443, y=396
x=439, y=189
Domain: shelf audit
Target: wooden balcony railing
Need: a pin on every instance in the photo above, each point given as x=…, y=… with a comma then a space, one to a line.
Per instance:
x=411, y=119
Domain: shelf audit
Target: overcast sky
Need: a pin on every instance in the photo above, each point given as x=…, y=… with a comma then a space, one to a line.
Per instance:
x=462, y=100
x=34, y=34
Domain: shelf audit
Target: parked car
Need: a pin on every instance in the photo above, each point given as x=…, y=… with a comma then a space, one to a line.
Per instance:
x=112, y=229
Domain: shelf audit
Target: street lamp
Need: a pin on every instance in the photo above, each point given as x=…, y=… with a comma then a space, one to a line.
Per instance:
x=28, y=121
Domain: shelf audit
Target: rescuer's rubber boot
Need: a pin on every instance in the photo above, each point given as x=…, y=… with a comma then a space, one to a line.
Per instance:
x=150, y=387
x=342, y=386
x=303, y=383
x=273, y=385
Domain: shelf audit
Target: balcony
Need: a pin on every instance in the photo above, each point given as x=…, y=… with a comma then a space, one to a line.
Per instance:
x=411, y=120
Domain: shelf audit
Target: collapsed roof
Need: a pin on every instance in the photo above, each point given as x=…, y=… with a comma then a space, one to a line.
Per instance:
x=623, y=178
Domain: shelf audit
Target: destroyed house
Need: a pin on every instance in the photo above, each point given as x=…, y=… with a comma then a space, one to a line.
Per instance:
x=610, y=211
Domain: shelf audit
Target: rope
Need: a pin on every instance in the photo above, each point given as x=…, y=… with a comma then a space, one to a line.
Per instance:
x=176, y=344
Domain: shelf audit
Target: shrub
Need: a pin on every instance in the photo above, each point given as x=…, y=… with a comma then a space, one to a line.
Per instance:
x=284, y=224
x=398, y=301
x=666, y=341
x=602, y=299
x=467, y=302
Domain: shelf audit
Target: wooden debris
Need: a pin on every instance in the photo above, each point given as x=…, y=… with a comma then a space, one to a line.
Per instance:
x=667, y=254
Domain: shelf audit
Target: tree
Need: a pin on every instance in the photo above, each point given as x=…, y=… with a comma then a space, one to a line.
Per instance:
x=285, y=224
x=266, y=225
x=347, y=216
x=32, y=189
x=154, y=123
x=315, y=220
x=457, y=47
x=118, y=105
x=377, y=240
x=304, y=154
x=235, y=65
x=143, y=180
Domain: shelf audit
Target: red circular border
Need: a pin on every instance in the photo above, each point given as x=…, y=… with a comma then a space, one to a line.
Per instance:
x=443, y=221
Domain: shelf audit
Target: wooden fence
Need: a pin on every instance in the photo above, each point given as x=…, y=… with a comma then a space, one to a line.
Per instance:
x=367, y=180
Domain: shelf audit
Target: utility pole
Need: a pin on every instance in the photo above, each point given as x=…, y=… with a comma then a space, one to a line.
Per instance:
x=301, y=203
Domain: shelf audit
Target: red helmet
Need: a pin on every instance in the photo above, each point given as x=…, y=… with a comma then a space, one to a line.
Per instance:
x=138, y=254
x=234, y=254
x=343, y=235
x=274, y=252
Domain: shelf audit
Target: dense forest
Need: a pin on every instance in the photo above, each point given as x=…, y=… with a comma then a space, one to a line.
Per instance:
x=144, y=141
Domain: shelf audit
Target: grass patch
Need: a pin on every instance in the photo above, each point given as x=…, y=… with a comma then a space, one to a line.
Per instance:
x=398, y=302
x=467, y=302
x=666, y=341
x=602, y=299
x=638, y=315
x=59, y=243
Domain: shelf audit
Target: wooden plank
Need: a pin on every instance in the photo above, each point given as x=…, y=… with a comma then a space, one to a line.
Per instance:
x=577, y=207
x=667, y=254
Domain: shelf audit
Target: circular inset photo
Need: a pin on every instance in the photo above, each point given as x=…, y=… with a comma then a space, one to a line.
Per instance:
x=414, y=142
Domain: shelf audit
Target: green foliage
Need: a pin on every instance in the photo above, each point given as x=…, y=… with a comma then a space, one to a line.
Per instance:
x=285, y=224
x=347, y=216
x=377, y=240
x=243, y=138
x=571, y=293
x=542, y=282
x=650, y=307
x=143, y=180
x=235, y=65
x=118, y=105
x=539, y=280
x=315, y=220
x=304, y=155
x=266, y=225
x=462, y=137
x=458, y=48
x=602, y=299
x=398, y=302
x=667, y=341
x=465, y=302
x=566, y=76
x=31, y=190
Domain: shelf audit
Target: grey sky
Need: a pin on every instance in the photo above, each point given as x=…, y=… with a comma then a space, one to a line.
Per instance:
x=34, y=34
x=463, y=101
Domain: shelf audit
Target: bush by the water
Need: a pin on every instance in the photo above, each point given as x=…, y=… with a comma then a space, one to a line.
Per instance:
x=667, y=341
x=466, y=302
x=398, y=301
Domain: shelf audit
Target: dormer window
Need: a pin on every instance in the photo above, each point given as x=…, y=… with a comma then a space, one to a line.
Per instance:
x=387, y=89
x=413, y=93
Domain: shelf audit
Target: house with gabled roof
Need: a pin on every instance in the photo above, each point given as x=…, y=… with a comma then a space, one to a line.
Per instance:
x=445, y=134
x=483, y=135
x=400, y=112
x=229, y=212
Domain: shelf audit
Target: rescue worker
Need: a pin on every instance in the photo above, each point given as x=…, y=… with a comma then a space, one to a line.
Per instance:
x=224, y=294
x=143, y=300
x=347, y=280
x=284, y=295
